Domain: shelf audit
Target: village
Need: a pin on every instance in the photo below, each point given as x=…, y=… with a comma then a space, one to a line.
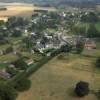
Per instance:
x=41, y=34
x=28, y=43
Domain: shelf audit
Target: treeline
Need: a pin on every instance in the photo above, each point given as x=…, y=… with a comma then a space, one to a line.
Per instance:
x=89, y=30
x=90, y=17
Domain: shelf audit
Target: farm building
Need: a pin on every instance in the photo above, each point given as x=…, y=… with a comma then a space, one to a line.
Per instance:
x=29, y=61
x=90, y=44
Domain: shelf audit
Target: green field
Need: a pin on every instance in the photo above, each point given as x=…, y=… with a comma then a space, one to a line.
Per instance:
x=87, y=25
x=98, y=26
x=8, y=58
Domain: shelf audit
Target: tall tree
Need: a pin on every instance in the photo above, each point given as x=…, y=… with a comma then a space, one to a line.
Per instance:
x=7, y=92
x=23, y=85
x=82, y=89
x=79, y=47
x=92, y=31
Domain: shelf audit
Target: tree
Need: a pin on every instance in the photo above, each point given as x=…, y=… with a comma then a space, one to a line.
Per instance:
x=98, y=62
x=91, y=17
x=16, y=22
x=9, y=49
x=2, y=39
x=11, y=22
x=28, y=42
x=7, y=92
x=16, y=33
x=23, y=85
x=66, y=48
x=79, y=30
x=11, y=71
x=21, y=64
x=92, y=31
x=79, y=47
x=82, y=89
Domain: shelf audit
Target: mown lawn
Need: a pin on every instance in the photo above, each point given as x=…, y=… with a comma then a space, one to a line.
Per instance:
x=56, y=79
x=8, y=58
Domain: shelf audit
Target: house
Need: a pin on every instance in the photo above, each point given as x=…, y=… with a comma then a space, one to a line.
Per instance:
x=33, y=33
x=5, y=75
x=90, y=44
x=29, y=61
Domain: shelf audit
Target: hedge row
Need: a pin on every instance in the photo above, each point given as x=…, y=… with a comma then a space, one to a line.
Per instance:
x=33, y=68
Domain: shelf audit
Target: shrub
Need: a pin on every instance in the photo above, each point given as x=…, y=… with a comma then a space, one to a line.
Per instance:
x=21, y=64
x=9, y=50
x=79, y=47
x=82, y=89
x=11, y=71
x=23, y=85
x=7, y=92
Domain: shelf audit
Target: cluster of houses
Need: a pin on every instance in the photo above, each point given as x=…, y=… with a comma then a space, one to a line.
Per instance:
x=49, y=41
x=45, y=42
x=58, y=39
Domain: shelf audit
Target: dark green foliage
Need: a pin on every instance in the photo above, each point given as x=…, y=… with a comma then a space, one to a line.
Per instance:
x=98, y=62
x=20, y=64
x=23, y=85
x=7, y=92
x=79, y=30
x=28, y=42
x=12, y=71
x=3, y=40
x=17, y=33
x=48, y=50
x=82, y=89
x=92, y=31
x=79, y=47
x=66, y=48
x=91, y=17
x=16, y=22
x=9, y=50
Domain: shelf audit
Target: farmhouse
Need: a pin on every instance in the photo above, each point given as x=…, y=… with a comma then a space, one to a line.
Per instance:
x=29, y=61
x=90, y=44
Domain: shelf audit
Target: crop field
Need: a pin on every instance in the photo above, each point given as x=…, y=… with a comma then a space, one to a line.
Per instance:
x=56, y=79
x=16, y=10
x=20, y=10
